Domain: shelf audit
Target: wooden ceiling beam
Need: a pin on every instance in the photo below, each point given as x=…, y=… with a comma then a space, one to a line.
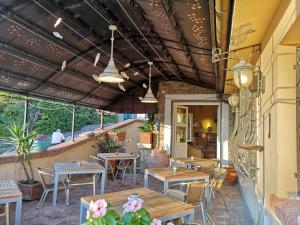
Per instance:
x=44, y=62
x=64, y=11
x=50, y=38
x=25, y=77
x=180, y=36
x=103, y=8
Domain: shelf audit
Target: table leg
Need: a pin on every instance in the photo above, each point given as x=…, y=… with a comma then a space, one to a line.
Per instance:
x=94, y=183
x=166, y=186
x=82, y=213
x=18, y=211
x=103, y=176
x=146, y=179
x=106, y=168
x=206, y=193
x=189, y=218
x=55, y=190
x=134, y=171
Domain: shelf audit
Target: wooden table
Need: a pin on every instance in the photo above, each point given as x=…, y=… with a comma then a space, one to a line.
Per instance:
x=69, y=168
x=167, y=175
x=119, y=156
x=158, y=205
x=194, y=162
x=9, y=192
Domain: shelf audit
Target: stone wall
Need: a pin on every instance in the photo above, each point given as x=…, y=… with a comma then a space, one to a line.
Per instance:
x=173, y=87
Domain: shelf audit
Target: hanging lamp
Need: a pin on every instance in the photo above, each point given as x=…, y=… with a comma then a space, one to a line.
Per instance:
x=243, y=74
x=149, y=97
x=111, y=73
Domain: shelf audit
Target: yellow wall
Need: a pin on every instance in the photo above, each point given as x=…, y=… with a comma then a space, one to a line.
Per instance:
x=277, y=66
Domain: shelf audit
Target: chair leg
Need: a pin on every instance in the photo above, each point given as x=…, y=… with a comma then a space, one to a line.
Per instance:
x=224, y=201
x=123, y=174
x=116, y=175
x=42, y=201
x=7, y=213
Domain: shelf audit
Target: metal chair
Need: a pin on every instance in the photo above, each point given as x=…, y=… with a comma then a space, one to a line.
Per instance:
x=4, y=211
x=42, y=172
x=191, y=193
x=102, y=163
x=216, y=184
x=123, y=166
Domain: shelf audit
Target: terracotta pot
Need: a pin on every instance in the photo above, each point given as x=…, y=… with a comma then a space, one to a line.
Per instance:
x=146, y=138
x=121, y=136
x=231, y=177
x=31, y=191
x=158, y=159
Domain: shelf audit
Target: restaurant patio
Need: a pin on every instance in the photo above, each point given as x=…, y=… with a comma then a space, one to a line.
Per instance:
x=216, y=84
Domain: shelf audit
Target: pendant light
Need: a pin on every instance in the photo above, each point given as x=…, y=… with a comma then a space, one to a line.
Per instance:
x=111, y=73
x=149, y=97
x=243, y=74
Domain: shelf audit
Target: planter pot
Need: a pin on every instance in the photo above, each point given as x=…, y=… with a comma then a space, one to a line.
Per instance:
x=121, y=136
x=146, y=138
x=41, y=145
x=31, y=191
x=231, y=176
x=158, y=159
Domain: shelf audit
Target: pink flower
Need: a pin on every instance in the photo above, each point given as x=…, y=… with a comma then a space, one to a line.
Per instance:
x=133, y=205
x=97, y=208
x=156, y=222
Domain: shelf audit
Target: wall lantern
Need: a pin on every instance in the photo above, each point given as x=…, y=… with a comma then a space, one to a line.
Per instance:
x=149, y=97
x=243, y=74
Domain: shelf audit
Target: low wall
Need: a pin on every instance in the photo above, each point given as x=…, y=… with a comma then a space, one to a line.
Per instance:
x=80, y=150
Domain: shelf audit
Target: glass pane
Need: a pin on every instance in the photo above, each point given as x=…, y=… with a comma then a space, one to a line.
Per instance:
x=181, y=115
x=180, y=134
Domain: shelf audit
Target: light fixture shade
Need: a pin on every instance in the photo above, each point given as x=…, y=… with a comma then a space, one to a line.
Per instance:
x=234, y=100
x=149, y=97
x=111, y=73
x=243, y=74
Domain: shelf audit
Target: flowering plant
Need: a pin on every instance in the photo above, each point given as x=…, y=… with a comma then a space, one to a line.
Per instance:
x=41, y=138
x=133, y=214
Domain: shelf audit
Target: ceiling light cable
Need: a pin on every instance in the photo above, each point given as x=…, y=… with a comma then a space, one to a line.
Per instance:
x=71, y=28
x=128, y=41
x=145, y=37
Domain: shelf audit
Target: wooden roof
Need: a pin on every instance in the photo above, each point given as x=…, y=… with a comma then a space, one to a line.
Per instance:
x=174, y=34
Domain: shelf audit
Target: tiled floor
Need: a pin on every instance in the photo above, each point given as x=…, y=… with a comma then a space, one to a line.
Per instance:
x=69, y=215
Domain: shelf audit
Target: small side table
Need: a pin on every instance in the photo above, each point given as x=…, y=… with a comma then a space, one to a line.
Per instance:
x=9, y=193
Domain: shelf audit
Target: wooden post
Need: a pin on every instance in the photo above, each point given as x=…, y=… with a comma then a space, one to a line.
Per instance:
x=101, y=119
x=73, y=123
x=25, y=112
x=298, y=115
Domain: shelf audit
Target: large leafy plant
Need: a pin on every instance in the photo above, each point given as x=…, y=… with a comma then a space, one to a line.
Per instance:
x=18, y=136
x=148, y=127
x=133, y=214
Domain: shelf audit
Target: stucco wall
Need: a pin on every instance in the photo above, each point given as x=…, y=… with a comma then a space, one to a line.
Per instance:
x=277, y=163
x=67, y=152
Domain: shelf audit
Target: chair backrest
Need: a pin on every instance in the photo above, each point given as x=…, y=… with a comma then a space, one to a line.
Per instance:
x=194, y=191
x=44, y=172
x=219, y=177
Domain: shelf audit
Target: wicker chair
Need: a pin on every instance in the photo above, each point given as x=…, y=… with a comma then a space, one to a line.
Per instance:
x=191, y=192
x=124, y=165
x=4, y=211
x=48, y=188
x=216, y=183
x=102, y=163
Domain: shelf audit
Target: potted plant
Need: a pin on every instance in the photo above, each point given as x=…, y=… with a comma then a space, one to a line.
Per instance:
x=146, y=132
x=23, y=141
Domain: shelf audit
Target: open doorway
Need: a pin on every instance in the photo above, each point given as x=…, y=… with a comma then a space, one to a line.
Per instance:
x=195, y=131
x=203, y=128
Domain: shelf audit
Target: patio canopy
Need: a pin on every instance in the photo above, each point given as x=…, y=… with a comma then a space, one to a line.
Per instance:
x=177, y=35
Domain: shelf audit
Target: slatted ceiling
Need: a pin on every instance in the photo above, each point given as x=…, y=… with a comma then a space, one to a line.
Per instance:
x=72, y=82
x=9, y=81
x=79, y=86
x=193, y=17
